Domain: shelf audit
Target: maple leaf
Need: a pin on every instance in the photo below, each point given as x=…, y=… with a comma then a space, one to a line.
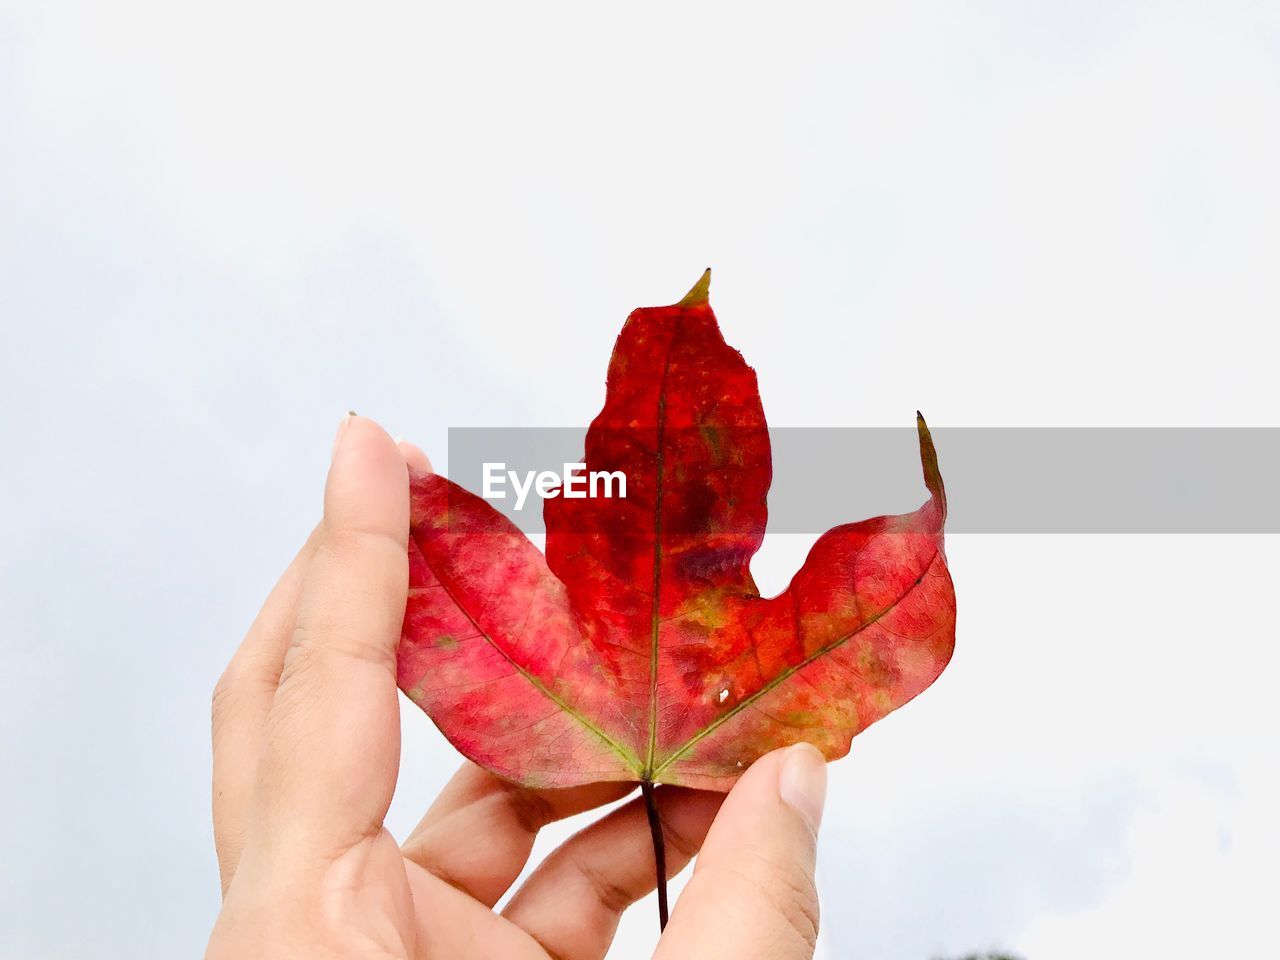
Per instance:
x=639, y=648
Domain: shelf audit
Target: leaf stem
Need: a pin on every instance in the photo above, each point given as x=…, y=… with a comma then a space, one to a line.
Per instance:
x=659, y=849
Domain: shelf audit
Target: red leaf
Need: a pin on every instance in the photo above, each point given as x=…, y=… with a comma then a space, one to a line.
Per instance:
x=639, y=647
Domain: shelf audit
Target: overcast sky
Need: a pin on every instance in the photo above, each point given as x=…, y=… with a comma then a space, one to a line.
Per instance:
x=224, y=225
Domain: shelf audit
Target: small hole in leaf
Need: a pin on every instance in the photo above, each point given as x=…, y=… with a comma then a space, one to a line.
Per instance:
x=724, y=694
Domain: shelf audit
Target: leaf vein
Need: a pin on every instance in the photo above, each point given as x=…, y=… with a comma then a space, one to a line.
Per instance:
x=789, y=672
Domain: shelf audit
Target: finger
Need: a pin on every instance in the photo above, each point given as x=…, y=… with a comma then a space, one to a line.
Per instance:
x=333, y=734
x=414, y=457
x=573, y=901
x=241, y=701
x=752, y=893
x=479, y=833
x=449, y=923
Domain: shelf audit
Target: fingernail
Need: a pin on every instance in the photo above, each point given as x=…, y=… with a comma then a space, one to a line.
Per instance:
x=802, y=782
x=342, y=428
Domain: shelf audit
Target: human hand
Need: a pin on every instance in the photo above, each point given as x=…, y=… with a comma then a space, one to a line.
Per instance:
x=306, y=747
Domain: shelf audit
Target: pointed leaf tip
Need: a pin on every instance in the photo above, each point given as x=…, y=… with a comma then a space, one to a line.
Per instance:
x=700, y=293
x=929, y=460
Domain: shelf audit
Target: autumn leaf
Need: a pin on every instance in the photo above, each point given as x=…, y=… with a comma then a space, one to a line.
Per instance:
x=639, y=648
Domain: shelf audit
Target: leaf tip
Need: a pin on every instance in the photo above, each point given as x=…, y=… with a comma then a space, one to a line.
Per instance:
x=929, y=460
x=700, y=293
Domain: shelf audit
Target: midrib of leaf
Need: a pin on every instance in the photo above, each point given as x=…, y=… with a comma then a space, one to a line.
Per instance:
x=626, y=755
x=787, y=674
x=657, y=557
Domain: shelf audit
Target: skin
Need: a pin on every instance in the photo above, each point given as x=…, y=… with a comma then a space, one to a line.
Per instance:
x=306, y=742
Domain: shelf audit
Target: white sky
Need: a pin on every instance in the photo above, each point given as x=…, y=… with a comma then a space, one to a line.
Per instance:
x=221, y=226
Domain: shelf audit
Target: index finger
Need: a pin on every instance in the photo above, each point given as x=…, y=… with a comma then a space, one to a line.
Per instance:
x=477, y=803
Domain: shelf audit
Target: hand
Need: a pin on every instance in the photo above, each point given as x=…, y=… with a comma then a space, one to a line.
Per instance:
x=306, y=748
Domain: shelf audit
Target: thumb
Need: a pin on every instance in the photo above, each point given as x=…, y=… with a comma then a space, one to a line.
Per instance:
x=752, y=893
x=333, y=736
